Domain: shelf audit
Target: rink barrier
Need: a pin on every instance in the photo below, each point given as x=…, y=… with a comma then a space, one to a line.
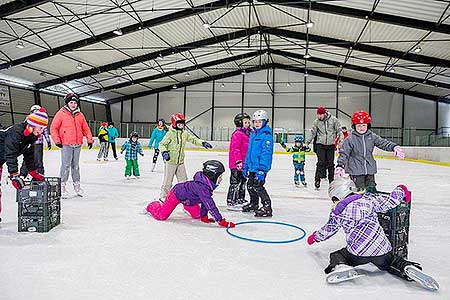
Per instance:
x=268, y=241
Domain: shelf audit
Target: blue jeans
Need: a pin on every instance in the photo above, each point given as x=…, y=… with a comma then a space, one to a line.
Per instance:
x=299, y=171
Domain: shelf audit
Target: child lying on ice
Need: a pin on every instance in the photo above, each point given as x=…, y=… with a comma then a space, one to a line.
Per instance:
x=195, y=195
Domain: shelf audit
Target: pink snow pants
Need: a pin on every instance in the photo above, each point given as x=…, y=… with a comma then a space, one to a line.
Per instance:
x=163, y=211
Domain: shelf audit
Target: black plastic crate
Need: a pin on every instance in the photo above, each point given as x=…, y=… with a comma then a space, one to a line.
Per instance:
x=40, y=191
x=38, y=224
x=38, y=209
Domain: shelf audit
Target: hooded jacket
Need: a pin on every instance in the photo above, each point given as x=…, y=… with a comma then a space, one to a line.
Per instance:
x=175, y=141
x=326, y=130
x=68, y=128
x=238, y=146
x=195, y=191
x=157, y=136
x=260, y=150
x=356, y=154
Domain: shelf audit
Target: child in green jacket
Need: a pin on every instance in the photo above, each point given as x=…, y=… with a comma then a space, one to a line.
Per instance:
x=172, y=149
x=298, y=157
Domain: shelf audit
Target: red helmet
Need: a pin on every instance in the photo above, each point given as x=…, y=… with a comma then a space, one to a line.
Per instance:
x=177, y=118
x=361, y=117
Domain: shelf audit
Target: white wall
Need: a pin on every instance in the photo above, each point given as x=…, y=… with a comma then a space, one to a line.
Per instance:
x=386, y=109
x=144, y=108
x=420, y=113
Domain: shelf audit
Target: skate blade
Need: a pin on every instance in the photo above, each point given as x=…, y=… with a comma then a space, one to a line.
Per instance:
x=422, y=278
x=235, y=208
x=342, y=276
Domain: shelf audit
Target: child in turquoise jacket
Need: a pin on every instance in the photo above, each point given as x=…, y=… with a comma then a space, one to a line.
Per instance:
x=157, y=135
x=112, y=135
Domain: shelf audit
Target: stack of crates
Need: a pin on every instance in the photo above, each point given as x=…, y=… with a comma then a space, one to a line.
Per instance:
x=39, y=205
x=395, y=223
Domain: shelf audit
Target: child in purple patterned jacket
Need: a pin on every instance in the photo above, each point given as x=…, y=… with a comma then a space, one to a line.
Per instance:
x=366, y=240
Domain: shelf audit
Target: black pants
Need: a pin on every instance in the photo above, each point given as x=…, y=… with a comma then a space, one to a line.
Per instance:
x=236, y=191
x=38, y=161
x=257, y=190
x=325, y=161
x=387, y=262
x=155, y=156
x=113, y=147
x=363, y=181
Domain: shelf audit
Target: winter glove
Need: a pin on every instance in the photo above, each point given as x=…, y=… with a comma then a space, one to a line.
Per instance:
x=245, y=171
x=89, y=146
x=142, y=154
x=207, y=220
x=239, y=165
x=311, y=239
x=36, y=176
x=224, y=223
x=17, y=181
x=121, y=151
x=260, y=175
x=407, y=193
x=399, y=152
x=283, y=144
x=207, y=145
x=59, y=145
x=339, y=171
x=166, y=156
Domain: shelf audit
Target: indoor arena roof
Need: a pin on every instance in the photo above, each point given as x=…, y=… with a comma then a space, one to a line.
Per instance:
x=113, y=50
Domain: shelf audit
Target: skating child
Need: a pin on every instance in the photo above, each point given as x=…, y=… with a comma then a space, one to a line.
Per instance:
x=195, y=195
x=356, y=154
x=132, y=147
x=236, y=159
x=172, y=149
x=298, y=156
x=112, y=135
x=103, y=140
x=18, y=140
x=38, y=149
x=258, y=163
x=366, y=240
x=338, y=142
x=157, y=135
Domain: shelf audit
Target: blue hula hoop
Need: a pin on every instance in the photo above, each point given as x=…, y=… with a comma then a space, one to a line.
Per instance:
x=268, y=241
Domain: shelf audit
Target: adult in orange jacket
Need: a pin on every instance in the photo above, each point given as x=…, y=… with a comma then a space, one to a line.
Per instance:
x=67, y=131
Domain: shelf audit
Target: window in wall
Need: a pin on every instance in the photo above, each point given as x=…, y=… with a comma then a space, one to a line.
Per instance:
x=289, y=119
x=171, y=102
x=5, y=119
x=126, y=112
x=144, y=109
x=100, y=112
x=50, y=102
x=115, y=112
x=21, y=100
x=88, y=112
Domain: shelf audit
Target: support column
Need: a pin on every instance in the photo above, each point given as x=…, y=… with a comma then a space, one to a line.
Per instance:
x=212, y=109
x=273, y=97
x=243, y=93
x=37, y=97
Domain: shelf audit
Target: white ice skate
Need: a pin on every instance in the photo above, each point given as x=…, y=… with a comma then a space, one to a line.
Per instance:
x=343, y=273
x=235, y=207
x=127, y=177
x=64, y=191
x=105, y=159
x=136, y=177
x=78, y=190
x=153, y=168
x=422, y=278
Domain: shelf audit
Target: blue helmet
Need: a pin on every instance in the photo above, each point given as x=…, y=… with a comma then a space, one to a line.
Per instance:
x=299, y=138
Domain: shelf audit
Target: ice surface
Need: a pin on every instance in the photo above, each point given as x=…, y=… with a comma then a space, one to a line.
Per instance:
x=107, y=249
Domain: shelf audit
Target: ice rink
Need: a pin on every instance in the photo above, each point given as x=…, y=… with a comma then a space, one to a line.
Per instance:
x=106, y=248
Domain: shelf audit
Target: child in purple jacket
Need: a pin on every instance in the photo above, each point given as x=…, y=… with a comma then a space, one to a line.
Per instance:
x=195, y=195
x=236, y=159
x=366, y=240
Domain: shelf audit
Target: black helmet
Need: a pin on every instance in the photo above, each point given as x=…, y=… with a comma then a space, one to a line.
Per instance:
x=239, y=118
x=213, y=169
x=134, y=134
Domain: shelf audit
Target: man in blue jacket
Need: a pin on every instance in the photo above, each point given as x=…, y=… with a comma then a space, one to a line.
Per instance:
x=257, y=164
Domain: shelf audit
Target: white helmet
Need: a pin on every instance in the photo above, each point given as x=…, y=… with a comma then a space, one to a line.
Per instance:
x=260, y=115
x=35, y=107
x=341, y=187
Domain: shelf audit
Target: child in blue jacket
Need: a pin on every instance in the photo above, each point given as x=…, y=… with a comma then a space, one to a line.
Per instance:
x=157, y=135
x=258, y=162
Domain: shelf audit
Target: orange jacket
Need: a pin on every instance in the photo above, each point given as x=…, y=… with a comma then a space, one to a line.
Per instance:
x=69, y=129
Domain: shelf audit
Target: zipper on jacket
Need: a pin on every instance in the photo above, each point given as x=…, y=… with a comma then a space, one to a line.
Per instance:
x=181, y=145
x=365, y=161
x=76, y=129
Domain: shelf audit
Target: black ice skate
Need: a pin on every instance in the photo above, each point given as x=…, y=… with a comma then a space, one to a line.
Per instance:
x=234, y=206
x=249, y=207
x=422, y=278
x=317, y=184
x=297, y=184
x=264, y=212
x=304, y=183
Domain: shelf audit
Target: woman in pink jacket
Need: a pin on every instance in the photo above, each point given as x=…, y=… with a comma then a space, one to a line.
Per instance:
x=238, y=151
x=67, y=131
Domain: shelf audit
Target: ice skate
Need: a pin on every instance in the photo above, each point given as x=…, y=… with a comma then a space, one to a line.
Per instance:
x=304, y=183
x=105, y=159
x=422, y=278
x=342, y=273
x=127, y=177
x=234, y=206
x=153, y=167
x=249, y=207
x=297, y=184
x=64, y=191
x=78, y=190
x=98, y=159
x=116, y=158
x=136, y=177
x=242, y=202
x=317, y=184
x=264, y=212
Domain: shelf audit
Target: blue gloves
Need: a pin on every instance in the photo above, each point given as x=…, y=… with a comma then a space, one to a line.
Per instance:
x=245, y=171
x=207, y=145
x=166, y=155
x=260, y=175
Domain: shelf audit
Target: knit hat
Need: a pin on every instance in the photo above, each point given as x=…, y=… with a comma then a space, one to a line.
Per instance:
x=321, y=110
x=104, y=124
x=71, y=97
x=38, y=118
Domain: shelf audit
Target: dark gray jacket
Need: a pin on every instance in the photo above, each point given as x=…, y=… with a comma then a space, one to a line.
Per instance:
x=356, y=152
x=326, y=130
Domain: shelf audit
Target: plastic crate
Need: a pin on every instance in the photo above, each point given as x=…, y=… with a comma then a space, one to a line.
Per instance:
x=40, y=191
x=38, y=209
x=38, y=224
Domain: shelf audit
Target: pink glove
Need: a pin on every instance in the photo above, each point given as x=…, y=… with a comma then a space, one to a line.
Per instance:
x=239, y=165
x=399, y=152
x=407, y=193
x=311, y=239
x=339, y=172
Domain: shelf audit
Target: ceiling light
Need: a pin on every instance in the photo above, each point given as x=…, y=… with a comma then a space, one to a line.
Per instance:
x=307, y=56
x=160, y=56
x=222, y=85
x=340, y=86
x=418, y=49
x=306, y=74
x=118, y=31
x=288, y=84
x=42, y=74
x=243, y=72
x=206, y=25
x=20, y=44
x=309, y=24
x=119, y=80
x=174, y=86
x=391, y=70
x=230, y=54
x=79, y=66
x=187, y=74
